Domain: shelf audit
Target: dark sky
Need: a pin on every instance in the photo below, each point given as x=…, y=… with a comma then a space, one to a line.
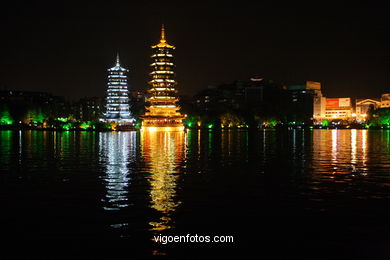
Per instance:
x=66, y=47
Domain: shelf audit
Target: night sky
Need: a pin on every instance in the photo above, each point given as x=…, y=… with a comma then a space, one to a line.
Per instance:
x=67, y=48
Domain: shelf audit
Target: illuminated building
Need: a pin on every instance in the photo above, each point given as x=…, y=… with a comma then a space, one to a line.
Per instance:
x=338, y=108
x=307, y=102
x=318, y=101
x=162, y=111
x=117, y=109
x=385, y=100
x=363, y=106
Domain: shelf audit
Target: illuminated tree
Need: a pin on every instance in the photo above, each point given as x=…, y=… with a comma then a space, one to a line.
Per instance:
x=5, y=117
x=191, y=121
x=34, y=116
x=325, y=123
x=384, y=116
x=231, y=120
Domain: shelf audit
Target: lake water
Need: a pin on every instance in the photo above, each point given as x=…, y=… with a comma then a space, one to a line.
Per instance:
x=277, y=192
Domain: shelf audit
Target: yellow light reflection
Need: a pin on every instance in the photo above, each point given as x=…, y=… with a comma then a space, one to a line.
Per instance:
x=163, y=151
x=163, y=129
x=334, y=145
x=353, y=148
x=340, y=153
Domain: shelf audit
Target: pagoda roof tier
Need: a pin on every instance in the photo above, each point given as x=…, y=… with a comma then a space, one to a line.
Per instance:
x=117, y=66
x=159, y=89
x=163, y=43
x=162, y=63
x=163, y=97
x=170, y=105
x=162, y=72
x=162, y=93
x=162, y=81
x=151, y=117
x=162, y=104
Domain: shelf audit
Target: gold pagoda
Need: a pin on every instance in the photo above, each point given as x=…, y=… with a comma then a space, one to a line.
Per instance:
x=162, y=111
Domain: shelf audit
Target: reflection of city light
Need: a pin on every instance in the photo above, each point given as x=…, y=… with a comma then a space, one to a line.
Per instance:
x=151, y=129
x=163, y=129
x=364, y=148
x=117, y=150
x=341, y=152
x=353, y=146
x=162, y=152
x=334, y=145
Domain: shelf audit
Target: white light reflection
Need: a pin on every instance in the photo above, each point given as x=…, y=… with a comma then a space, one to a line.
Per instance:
x=116, y=151
x=20, y=148
x=294, y=144
x=334, y=149
x=364, y=151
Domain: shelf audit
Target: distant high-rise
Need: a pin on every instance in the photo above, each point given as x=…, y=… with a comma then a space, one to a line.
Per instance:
x=118, y=109
x=162, y=111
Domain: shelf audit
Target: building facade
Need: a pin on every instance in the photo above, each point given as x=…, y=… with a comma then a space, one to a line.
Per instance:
x=307, y=103
x=338, y=109
x=319, y=100
x=363, y=107
x=385, y=100
x=89, y=108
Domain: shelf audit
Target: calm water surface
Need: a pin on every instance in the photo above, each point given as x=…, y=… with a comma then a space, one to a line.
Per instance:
x=298, y=190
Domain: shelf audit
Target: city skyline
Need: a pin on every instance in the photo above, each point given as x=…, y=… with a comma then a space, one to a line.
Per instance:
x=195, y=128
x=64, y=50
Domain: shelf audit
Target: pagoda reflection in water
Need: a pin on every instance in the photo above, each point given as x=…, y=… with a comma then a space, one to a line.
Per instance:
x=163, y=153
x=116, y=151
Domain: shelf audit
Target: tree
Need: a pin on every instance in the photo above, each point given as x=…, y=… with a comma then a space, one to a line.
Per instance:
x=5, y=116
x=229, y=119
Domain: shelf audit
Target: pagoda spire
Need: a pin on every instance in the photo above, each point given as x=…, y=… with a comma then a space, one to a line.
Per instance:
x=117, y=60
x=162, y=40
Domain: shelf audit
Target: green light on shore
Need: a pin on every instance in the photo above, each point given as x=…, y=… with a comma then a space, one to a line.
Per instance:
x=67, y=126
x=62, y=119
x=5, y=117
x=209, y=126
x=85, y=125
x=6, y=121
